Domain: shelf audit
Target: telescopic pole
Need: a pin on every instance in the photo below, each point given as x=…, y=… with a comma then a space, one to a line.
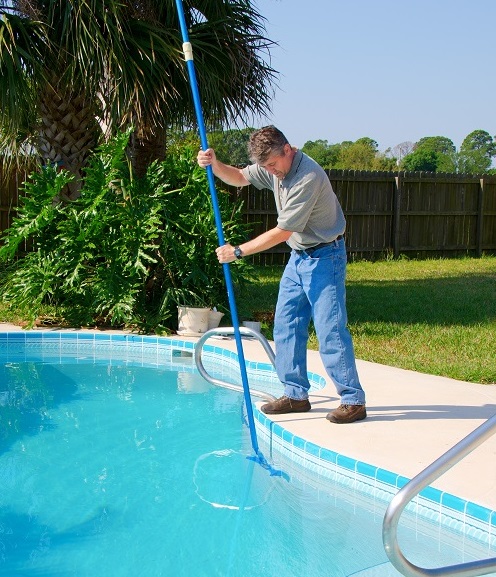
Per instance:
x=188, y=55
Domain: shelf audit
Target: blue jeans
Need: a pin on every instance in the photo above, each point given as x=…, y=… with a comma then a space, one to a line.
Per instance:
x=313, y=286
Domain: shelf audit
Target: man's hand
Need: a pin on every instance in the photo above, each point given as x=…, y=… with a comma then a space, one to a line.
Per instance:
x=229, y=174
x=206, y=157
x=225, y=253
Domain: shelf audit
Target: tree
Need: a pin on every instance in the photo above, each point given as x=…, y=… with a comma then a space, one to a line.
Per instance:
x=402, y=149
x=358, y=155
x=447, y=162
x=72, y=74
x=439, y=144
x=431, y=154
x=322, y=152
x=384, y=162
x=231, y=146
x=369, y=142
x=362, y=154
x=421, y=160
x=476, y=152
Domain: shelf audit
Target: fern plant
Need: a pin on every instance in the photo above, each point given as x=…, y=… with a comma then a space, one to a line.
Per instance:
x=125, y=253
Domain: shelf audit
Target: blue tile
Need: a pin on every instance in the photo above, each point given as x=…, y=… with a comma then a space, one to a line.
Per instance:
x=135, y=339
x=266, y=367
x=312, y=449
x=86, y=337
x=118, y=338
x=261, y=418
x=386, y=477
x=287, y=436
x=366, y=469
x=346, y=462
x=434, y=495
x=102, y=337
x=69, y=336
x=455, y=503
x=328, y=455
x=35, y=336
x=20, y=336
x=298, y=442
x=478, y=512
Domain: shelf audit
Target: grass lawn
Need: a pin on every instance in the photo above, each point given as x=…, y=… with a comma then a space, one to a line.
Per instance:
x=432, y=316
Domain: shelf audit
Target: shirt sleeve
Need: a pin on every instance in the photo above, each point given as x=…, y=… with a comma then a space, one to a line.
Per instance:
x=258, y=176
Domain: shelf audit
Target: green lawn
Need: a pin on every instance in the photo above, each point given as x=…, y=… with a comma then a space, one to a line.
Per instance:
x=434, y=316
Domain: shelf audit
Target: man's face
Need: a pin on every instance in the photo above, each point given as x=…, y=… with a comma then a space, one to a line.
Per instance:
x=280, y=164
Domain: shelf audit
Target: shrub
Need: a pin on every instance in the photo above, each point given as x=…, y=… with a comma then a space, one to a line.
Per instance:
x=125, y=253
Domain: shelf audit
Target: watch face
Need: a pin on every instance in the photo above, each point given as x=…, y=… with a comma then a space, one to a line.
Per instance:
x=237, y=252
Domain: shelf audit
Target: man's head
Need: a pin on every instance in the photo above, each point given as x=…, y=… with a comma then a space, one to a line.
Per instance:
x=269, y=148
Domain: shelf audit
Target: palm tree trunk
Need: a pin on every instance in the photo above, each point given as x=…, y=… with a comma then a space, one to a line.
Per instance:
x=68, y=133
x=145, y=146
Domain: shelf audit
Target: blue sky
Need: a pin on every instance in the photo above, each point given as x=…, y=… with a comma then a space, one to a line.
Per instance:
x=392, y=70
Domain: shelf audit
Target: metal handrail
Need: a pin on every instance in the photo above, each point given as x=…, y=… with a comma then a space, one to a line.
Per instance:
x=229, y=331
x=412, y=488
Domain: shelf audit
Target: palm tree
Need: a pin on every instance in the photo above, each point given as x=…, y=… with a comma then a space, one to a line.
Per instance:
x=73, y=73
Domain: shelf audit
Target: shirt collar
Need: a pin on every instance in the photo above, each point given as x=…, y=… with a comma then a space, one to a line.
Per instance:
x=297, y=158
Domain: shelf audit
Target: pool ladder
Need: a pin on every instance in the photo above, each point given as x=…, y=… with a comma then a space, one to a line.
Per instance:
x=230, y=331
x=412, y=488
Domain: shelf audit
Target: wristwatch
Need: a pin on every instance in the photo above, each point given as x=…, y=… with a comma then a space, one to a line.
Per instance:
x=238, y=253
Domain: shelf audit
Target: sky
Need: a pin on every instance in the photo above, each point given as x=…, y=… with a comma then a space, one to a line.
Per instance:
x=391, y=70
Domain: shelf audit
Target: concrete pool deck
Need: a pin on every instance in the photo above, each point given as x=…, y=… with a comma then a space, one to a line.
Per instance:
x=412, y=419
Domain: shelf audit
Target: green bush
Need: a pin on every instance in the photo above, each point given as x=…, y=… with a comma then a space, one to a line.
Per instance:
x=127, y=252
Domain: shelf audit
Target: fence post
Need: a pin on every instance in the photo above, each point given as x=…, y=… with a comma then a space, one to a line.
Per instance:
x=480, y=219
x=396, y=216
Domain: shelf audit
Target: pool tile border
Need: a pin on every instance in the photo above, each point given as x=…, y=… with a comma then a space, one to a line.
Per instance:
x=440, y=507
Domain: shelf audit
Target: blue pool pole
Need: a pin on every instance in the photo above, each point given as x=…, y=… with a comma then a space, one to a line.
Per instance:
x=188, y=54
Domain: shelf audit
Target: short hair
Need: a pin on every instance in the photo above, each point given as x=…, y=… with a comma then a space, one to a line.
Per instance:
x=265, y=142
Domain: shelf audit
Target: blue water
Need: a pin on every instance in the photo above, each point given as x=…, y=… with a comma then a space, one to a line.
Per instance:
x=110, y=469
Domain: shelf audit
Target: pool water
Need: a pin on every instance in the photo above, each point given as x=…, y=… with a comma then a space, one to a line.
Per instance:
x=119, y=469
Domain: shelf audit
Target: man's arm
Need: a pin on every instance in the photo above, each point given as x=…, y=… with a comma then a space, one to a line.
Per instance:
x=235, y=177
x=262, y=242
x=229, y=174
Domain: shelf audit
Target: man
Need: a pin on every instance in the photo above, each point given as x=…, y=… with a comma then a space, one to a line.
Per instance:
x=311, y=221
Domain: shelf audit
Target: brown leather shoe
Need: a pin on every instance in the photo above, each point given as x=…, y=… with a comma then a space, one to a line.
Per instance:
x=347, y=414
x=286, y=405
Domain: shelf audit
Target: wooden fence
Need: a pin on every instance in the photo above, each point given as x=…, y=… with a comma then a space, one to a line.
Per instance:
x=388, y=214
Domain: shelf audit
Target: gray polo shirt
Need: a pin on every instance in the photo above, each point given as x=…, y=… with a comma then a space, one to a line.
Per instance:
x=305, y=201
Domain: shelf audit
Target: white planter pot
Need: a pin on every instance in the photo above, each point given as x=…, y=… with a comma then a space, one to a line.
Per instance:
x=192, y=321
x=214, y=318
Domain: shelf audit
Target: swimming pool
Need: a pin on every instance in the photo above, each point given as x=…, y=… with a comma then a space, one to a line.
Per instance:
x=117, y=458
